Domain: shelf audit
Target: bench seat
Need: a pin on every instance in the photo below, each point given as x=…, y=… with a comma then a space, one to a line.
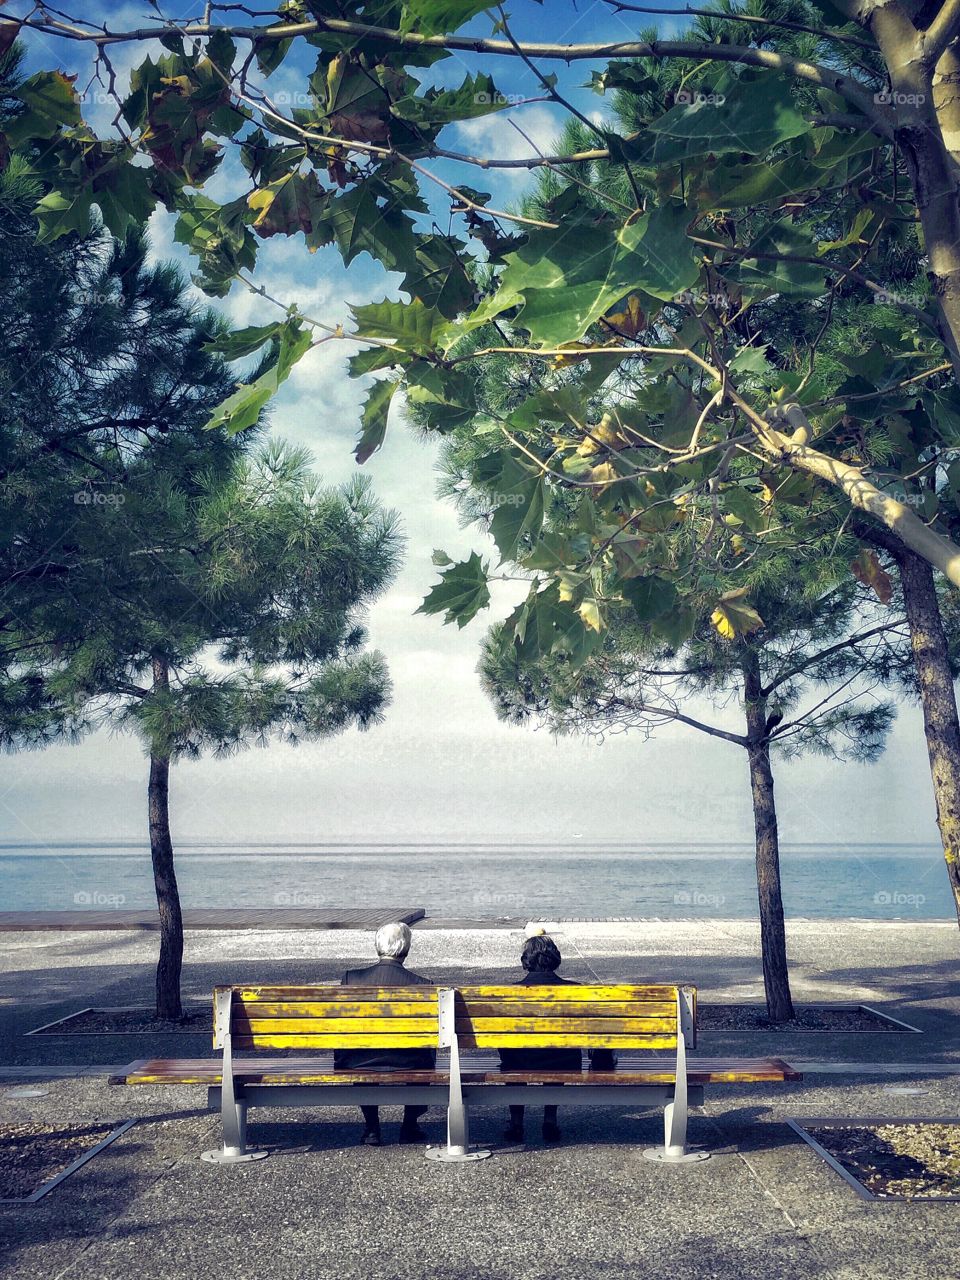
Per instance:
x=319, y=1069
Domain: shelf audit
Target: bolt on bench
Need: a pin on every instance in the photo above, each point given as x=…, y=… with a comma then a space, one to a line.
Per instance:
x=470, y=1022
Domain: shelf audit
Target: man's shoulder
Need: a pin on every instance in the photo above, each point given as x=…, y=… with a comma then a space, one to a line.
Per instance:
x=383, y=975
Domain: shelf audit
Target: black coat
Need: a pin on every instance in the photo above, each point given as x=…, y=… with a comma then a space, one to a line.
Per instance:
x=387, y=972
x=541, y=1059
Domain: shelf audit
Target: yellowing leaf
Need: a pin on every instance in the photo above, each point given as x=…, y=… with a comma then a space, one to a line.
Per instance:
x=604, y=473
x=732, y=618
x=868, y=570
x=590, y=614
x=631, y=320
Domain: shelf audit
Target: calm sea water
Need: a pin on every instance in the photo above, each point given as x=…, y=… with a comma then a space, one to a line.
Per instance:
x=881, y=882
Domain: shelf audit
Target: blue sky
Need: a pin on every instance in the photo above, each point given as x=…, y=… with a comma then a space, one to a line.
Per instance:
x=442, y=765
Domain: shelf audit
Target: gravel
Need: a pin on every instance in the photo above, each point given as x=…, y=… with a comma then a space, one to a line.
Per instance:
x=898, y=1161
x=31, y=1154
x=131, y=1022
x=753, y=1017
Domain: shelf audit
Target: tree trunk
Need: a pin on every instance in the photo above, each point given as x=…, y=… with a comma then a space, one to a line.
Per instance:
x=773, y=939
x=164, y=875
x=938, y=699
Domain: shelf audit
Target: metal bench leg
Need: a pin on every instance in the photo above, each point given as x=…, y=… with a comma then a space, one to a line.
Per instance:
x=674, y=1149
x=233, y=1115
x=458, y=1148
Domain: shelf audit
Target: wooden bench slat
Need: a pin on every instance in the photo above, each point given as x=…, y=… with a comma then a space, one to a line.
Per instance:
x=338, y=1040
x=337, y=1008
x=244, y=1025
x=561, y=994
x=532, y=1008
x=568, y=1026
x=336, y=993
x=319, y=1070
x=553, y=1040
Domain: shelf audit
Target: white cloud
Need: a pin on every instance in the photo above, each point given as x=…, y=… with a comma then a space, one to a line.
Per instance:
x=495, y=138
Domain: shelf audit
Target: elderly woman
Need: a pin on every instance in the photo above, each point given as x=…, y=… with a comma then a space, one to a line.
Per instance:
x=392, y=943
x=541, y=960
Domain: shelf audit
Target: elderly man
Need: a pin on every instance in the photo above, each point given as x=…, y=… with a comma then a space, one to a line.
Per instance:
x=392, y=942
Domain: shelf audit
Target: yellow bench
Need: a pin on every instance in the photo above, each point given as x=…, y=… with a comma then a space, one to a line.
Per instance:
x=471, y=1022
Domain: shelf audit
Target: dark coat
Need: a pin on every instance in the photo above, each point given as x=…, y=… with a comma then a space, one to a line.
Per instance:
x=541, y=1059
x=387, y=972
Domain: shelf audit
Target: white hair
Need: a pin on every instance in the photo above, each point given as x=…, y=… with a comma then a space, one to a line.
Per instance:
x=393, y=940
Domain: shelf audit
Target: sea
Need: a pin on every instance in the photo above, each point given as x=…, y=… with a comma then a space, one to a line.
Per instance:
x=572, y=879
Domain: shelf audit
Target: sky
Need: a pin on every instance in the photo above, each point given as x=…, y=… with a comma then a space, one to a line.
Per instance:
x=441, y=767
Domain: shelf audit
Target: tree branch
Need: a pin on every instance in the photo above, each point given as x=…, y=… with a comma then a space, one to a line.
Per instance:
x=942, y=31
x=696, y=50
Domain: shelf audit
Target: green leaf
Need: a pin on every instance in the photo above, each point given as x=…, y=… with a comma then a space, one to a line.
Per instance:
x=461, y=592
x=780, y=275
x=243, y=342
x=569, y=278
x=50, y=100
x=123, y=193
x=374, y=420
x=440, y=558
x=544, y=624
x=439, y=278
x=411, y=325
x=360, y=225
x=650, y=596
x=750, y=360
x=748, y=113
x=438, y=17
x=518, y=507
x=445, y=397
x=477, y=96
x=242, y=409
x=743, y=505
x=58, y=214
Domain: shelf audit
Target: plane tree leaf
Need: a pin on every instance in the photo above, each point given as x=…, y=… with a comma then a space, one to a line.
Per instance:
x=376, y=410
x=567, y=279
x=733, y=617
x=750, y=112
x=461, y=592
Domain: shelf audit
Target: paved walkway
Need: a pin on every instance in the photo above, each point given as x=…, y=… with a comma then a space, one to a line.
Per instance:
x=93, y=921
x=324, y=1208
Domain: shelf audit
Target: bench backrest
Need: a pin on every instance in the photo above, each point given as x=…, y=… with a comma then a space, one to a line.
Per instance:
x=626, y=1016
x=326, y=1017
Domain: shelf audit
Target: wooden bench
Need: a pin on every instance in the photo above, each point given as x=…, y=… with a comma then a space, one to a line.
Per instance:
x=471, y=1022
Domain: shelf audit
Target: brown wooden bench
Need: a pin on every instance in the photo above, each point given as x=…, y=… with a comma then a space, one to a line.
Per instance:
x=471, y=1022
